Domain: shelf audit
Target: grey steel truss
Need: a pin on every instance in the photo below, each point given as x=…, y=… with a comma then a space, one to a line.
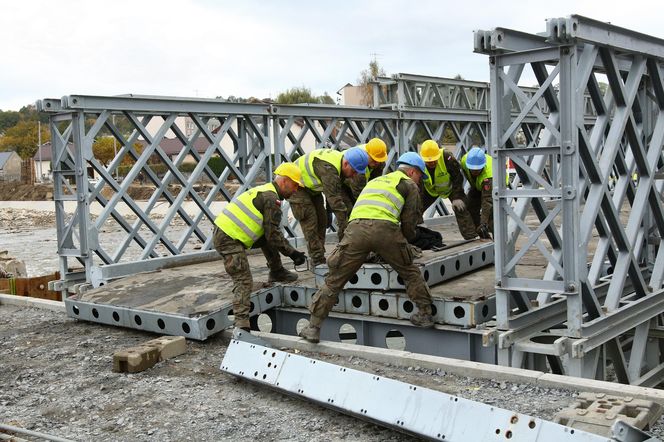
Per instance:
x=407, y=408
x=588, y=199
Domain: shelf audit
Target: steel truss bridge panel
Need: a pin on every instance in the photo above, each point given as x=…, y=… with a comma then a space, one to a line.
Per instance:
x=436, y=267
x=586, y=192
x=404, y=407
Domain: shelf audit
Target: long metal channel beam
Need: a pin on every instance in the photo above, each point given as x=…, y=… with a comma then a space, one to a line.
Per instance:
x=407, y=408
x=198, y=327
x=468, y=344
x=579, y=28
x=435, y=271
x=100, y=275
x=441, y=80
x=397, y=305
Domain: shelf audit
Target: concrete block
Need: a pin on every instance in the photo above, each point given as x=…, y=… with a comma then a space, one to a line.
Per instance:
x=169, y=346
x=549, y=380
x=597, y=412
x=135, y=359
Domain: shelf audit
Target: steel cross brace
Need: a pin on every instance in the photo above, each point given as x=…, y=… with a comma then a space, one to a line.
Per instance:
x=407, y=408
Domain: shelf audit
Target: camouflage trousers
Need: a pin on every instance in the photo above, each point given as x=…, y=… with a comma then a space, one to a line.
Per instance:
x=361, y=237
x=309, y=209
x=234, y=255
x=464, y=219
x=474, y=205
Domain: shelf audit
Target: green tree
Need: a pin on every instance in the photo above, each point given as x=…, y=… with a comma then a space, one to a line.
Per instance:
x=23, y=139
x=8, y=119
x=104, y=149
x=366, y=77
x=302, y=94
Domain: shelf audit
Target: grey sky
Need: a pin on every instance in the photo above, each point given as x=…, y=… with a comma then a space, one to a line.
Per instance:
x=208, y=48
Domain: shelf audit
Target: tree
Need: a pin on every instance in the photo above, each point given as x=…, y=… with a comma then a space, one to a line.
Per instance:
x=104, y=149
x=302, y=94
x=23, y=139
x=7, y=120
x=366, y=77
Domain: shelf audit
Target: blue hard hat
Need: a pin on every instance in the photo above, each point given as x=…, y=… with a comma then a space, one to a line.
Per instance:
x=415, y=160
x=475, y=160
x=357, y=158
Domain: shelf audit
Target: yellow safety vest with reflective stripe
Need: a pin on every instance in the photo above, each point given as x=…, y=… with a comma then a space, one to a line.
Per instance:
x=487, y=172
x=380, y=199
x=441, y=185
x=241, y=220
x=306, y=164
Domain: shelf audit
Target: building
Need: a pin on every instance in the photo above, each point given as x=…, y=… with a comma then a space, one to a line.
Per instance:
x=10, y=166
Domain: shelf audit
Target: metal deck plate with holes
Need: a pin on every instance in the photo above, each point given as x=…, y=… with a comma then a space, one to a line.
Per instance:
x=191, y=301
x=404, y=407
x=436, y=267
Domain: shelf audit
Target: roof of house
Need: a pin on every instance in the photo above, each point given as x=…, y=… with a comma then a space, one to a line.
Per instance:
x=5, y=156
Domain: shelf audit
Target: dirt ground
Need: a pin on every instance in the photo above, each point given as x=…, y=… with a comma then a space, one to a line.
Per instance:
x=57, y=378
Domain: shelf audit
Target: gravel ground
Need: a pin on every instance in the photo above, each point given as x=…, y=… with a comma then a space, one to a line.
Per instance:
x=56, y=376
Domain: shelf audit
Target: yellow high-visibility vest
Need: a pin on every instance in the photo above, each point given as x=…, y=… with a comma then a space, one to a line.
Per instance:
x=306, y=164
x=442, y=185
x=241, y=220
x=380, y=199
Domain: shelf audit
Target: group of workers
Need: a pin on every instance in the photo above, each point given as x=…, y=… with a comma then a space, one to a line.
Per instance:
x=375, y=212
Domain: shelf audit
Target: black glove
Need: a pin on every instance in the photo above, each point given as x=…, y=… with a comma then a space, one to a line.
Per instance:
x=298, y=257
x=483, y=231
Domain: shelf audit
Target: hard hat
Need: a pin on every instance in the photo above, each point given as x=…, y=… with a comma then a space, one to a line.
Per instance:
x=357, y=158
x=290, y=170
x=430, y=151
x=377, y=150
x=413, y=159
x=475, y=160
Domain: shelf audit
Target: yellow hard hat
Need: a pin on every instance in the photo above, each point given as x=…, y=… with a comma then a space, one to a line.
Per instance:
x=290, y=170
x=430, y=151
x=377, y=150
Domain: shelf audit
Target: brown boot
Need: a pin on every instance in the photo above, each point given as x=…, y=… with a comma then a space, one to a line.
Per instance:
x=423, y=320
x=281, y=275
x=311, y=334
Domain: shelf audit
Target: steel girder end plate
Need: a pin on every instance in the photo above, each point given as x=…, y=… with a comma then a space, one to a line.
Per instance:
x=245, y=336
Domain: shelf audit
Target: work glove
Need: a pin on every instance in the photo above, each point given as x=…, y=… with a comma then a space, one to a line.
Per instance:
x=483, y=231
x=298, y=257
x=459, y=205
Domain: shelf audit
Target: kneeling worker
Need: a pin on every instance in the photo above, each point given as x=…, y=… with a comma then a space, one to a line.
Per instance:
x=477, y=167
x=253, y=220
x=383, y=219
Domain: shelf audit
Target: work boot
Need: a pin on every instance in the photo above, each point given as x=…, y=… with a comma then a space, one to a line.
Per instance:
x=423, y=320
x=319, y=261
x=311, y=334
x=282, y=275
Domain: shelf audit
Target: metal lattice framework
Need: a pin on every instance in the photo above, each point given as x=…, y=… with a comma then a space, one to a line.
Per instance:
x=589, y=199
x=249, y=139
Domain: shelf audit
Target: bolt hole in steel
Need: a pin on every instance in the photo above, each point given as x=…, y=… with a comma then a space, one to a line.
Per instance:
x=185, y=327
x=251, y=307
x=383, y=304
x=394, y=340
x=269, y=298
x=442, y=270
x=347, y=334
x=116, y=317
x=483, y=256
x=294, y=296
x=210, y=324
x=434, y=310
x=353, y=279
x=75, y=309
x=400, y=280
x=138, y=320
x=459, y=312
x=457, y=264
x=300, y=325
x=531, y=424
x=485, y=311
x=95, y=313
x=426, y=275
x=408, y=306
x=356, y=301
x=161, y=324
x=470, y=260
x=514, y=419
x=376, y=278
x=508, y=434
x=264, y=323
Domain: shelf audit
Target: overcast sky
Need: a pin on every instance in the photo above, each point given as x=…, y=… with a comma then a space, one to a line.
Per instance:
x=245, y=48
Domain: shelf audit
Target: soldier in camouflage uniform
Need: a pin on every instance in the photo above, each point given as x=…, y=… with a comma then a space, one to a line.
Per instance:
x=253, y=220
x=323, y=171
x=477, y=167
x=377, y=152
x=446, y=181
x=384, y=218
